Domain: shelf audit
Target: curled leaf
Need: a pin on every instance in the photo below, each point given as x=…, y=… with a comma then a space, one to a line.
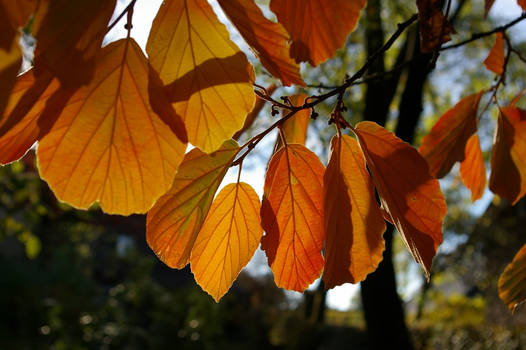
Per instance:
x=512, y=282
x=114, y=140
x=317, y=28
x=209, y=80
x=353, y=222
x=412, y=198
x=228, y=239
x=292, y=217
x=175, y=220
x=508, y=158
x=445, y=143
x=268, y=40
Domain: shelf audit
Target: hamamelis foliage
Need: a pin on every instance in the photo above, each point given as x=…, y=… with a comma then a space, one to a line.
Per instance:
x=112, y=125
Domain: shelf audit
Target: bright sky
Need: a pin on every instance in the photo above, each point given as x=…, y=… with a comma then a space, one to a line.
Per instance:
x=253, y=171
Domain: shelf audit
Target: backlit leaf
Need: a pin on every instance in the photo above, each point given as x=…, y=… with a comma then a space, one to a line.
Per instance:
x=434, y=27
x=445, y=143
x=472, y=168
x=228, y=239
x=317, y=27
x=512, y=282
x=10, y=61
x=174, y=221
x=295, y=128
x=353, y=222
x=495, y=60
x=115, y=141
x=268, y=40
x=208, y=78
x=508, y=158
x=69, y=34
x=408, y=193
x=13, y=15
x=19, y=126
x=292, y=217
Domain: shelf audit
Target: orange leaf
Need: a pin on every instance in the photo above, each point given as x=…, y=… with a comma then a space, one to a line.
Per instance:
x=472, y=168
x=268, y=40
x=317, y=28
x=209, y=79
x=445, y=143
x=408, y=193
x=353, y=222
x=487, y=6
x=20, y=127
x=292, y=217
x=115, y=141
x=512, y=282
x=295, y=128
x=435, y=29
x=69, y=34
x=495, y=60
x=508, y=158
x=10, y=62
x=522, y=4
x=174, y=221
x=13, y=15
x=228, y=239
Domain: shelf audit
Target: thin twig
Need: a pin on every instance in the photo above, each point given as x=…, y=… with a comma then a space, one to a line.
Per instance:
x=124, y=12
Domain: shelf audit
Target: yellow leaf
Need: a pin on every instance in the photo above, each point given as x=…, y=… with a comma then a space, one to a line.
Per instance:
x=292, y=217
x=409, y=194
x=228, y=239
x=512, y=282
x=116, y=141
x=268, y=40
x=208, y=78
x=20, y=126
x=354, y=225
x=174, y=221
x=69, y=35
x=317, y=27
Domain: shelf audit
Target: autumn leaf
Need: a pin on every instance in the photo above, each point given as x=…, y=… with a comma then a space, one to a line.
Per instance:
x=69, y=35
x=116, y=141
x=408, y=193
x=254, y=113
x=268, y=40
x=472, y=169
x=434, y=27
x=19, y=126
x=508, y=158
x=175, y=220
x=292, y=217
x=512, y=282
x=208, y=78
x=487, y=6
x=495, y=60
x=354, y=225
x=10, y=61
x=445, y=143
x=295, y=128
x=522, y=4
x=228, y=239
x=13, y=15
x=317, y=28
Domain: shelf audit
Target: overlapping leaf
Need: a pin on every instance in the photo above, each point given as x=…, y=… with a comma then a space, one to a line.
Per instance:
x=408, y=193
x=228, y=239
x=508, y=158
x=208, y=78
x=445, y=143
x=10, y=61
x=175, y=220
x=13, y=15
x=472, y=169
x=434, y=27
x=20, y=127
x=353, y=222
x=292, y=217
x=512, y=282
x=317, y=27
x=268, y=40
x=495, y=60
x=117, y=140
x=69, y=34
